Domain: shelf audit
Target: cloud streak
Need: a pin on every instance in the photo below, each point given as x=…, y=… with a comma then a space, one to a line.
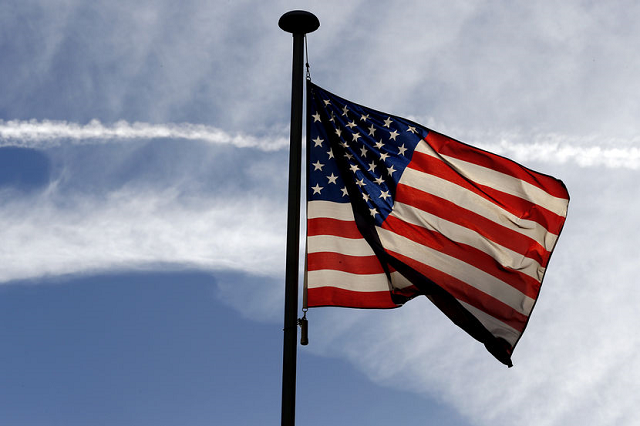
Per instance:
x=614, y=154
x=552, y=148
x=49, y=133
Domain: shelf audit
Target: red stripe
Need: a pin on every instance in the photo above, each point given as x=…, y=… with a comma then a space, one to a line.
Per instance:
x=447, y=210
x=328, y=226
x=468, y=254
x=520, y=207
x=450, y=147
x=332, y=296
x=408, y=292
x=342, y=262
x=468, y=294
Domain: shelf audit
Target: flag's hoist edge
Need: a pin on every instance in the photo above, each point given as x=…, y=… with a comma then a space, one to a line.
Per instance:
x=395, y=210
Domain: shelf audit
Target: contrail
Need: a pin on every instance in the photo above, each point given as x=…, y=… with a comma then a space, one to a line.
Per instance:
x=615, y=155
x=552, y=148
x=48, y=133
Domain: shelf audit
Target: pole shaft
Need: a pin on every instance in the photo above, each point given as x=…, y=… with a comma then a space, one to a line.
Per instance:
x=293, y=238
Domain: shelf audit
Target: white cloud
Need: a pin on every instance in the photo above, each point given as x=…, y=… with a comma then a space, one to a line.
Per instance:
x=143, y=206
x=48, y=234
x=50, y=133
x=558, y=148
x=584, y=151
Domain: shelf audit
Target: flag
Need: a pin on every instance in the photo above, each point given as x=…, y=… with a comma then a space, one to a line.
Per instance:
x=396, y=210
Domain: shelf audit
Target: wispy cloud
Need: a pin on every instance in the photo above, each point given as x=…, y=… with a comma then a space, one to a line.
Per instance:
x=53, y=234
x=48, y=133
x=556, y=149
x=553, y=148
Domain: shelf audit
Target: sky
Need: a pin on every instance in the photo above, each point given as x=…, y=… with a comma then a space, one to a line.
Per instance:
x=143, y=182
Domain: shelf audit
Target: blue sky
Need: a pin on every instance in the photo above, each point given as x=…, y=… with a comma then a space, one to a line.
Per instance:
x=143, y=168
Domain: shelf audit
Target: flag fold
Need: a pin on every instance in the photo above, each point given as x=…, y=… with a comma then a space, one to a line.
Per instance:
x=396, y=210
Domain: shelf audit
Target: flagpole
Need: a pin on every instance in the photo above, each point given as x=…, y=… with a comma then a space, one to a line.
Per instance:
x=298, y=23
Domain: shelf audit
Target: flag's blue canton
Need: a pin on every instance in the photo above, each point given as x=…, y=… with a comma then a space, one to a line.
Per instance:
x=349, y=141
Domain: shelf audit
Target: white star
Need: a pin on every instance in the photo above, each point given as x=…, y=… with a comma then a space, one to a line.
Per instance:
x=338, y=131
x=372, y=130
x=356, y=136
x=384, y=156
x=364, y=117
x=348, y=156
x=316, y=117
x=345, y=110
x=327, y=102
x=384, y=195
x=393, y=135
x=354, y=168
x=317, y=188
x=379, y=180
x=344, y=144
x=333, y=117
x=360, y=183
x=318, y=141
x=330, y=152
x=391, y=170
x=332, y=178
x=317, y=165
x=344, y=191
x=412, y=130
x=365, y=197
x=380, y=144
x=401, y=149
x=373, y=212
x=372, y=166
x=388, y=122
x=351, y=125
x=363, y=151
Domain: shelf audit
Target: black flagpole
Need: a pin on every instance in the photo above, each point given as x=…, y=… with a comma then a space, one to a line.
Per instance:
x=298, y=23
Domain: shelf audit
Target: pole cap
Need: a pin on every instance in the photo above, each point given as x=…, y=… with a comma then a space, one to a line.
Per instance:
x=299, y=22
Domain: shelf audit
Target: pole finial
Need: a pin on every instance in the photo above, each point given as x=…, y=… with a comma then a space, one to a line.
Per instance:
x=299, y=22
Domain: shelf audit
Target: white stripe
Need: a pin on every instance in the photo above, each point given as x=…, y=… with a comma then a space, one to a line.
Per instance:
x=348, y=281
x=477, y=204
x=494, y=325
x=500, y=181
x=460, y=234
x=331, y=243
x=320, y=209
x=398, y=281
x=458, y=269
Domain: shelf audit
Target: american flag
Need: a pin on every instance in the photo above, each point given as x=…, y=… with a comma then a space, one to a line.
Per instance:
x=396, y=210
